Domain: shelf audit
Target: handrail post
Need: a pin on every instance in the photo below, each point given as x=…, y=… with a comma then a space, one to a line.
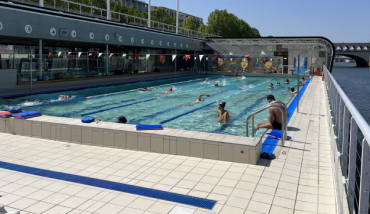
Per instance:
x=253, y=122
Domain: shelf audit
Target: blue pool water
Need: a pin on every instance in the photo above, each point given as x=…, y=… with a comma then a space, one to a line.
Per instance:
x=152, y=107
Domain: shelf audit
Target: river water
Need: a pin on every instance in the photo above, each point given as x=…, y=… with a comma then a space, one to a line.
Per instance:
x=355, y=82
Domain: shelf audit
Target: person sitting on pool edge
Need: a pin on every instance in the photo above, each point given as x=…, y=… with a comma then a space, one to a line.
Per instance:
x=217, y=84
x=222, y=113
x=293, y=91
x=287, y=82
x=121, y=119
x=275, y=117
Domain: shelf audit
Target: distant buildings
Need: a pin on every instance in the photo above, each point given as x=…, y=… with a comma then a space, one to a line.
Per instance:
x=142, y=6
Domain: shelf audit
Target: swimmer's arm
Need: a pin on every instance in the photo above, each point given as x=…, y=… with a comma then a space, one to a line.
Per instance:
x=208, y=112
x=231, y=113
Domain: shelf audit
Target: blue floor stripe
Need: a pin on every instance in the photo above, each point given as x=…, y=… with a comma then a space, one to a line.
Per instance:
x=270, y=143
x=147, y=192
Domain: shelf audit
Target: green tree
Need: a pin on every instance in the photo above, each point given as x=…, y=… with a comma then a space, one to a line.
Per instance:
x=189, y=23
x=202, y=28
x=225, y=24
x=270, y=36
x=255, y=32
x=159, y=14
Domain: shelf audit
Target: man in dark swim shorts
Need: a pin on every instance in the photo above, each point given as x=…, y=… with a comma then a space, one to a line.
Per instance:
x=275, y=117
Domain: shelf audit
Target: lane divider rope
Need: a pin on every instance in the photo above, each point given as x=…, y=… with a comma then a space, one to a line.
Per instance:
x=109, y=94
x=163, y=96
x=216, y=101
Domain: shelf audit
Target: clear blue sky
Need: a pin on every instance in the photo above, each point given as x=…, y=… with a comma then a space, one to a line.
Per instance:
x=338, y=20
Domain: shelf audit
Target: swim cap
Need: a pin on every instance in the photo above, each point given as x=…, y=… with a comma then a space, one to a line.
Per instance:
x=223, y=104
x=122, y=119
x=170, y=89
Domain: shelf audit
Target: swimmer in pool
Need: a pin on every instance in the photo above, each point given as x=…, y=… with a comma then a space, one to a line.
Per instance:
x=287, y=82
x=223, y=114
x=206, y=80
x=167, y=92
x=64, y=97
x=271, y=86
x=121, y=119
x=242, y=88
x=217, y=84
x=145, y=89
x=301, y=84
x=293, y=91
x=197, y=100
x=278, y=84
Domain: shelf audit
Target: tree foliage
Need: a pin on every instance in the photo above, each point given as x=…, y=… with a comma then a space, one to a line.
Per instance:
x=189, y=23
x=225, y=24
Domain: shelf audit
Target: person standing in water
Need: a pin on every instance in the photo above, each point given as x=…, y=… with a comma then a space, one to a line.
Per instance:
x=222, y=113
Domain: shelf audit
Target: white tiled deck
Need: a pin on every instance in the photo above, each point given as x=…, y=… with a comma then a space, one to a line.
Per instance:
x=299, y=181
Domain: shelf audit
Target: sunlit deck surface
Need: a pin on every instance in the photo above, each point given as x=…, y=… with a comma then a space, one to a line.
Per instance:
x=299, y=181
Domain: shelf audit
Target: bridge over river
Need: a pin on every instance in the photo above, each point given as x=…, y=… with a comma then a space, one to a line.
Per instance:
x=360, y=52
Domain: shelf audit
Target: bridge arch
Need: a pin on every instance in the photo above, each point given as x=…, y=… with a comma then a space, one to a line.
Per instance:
x=360, y=62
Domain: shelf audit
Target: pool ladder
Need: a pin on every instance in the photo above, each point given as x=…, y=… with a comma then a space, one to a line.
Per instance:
x=284, y=113
x=197, y=70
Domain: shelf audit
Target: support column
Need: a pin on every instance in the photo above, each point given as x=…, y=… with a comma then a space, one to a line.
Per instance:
x=108, y=10
x=41, y=3
x=175, y=61
x=149, y=14
x=40, y=59
x=107, y=63
x=177, y=17
x=299, y=65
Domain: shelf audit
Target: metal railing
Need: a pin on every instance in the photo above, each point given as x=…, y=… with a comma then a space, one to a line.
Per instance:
x=93, y=11
x=351, y=134
x=284, y=113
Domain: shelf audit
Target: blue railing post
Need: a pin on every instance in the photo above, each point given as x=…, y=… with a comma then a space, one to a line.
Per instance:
x=345, y=141
x=365, y=173
x=351, y=184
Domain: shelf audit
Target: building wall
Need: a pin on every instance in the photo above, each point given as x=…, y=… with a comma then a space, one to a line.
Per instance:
x=14, y=22
x=8, y=79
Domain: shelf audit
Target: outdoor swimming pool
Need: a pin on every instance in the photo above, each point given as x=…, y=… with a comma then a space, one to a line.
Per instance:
x=152, y=107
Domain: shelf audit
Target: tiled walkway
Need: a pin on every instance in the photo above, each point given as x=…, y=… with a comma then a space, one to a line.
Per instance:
x=300, y=181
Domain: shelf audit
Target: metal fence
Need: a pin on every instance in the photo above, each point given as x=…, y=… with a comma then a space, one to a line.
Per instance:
x=351, y=135
x=93, y=11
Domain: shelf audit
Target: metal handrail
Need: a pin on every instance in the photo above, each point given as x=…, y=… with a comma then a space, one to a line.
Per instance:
x=189, y=31
x=351, y=152
x=283, y=131
x=361, y=122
